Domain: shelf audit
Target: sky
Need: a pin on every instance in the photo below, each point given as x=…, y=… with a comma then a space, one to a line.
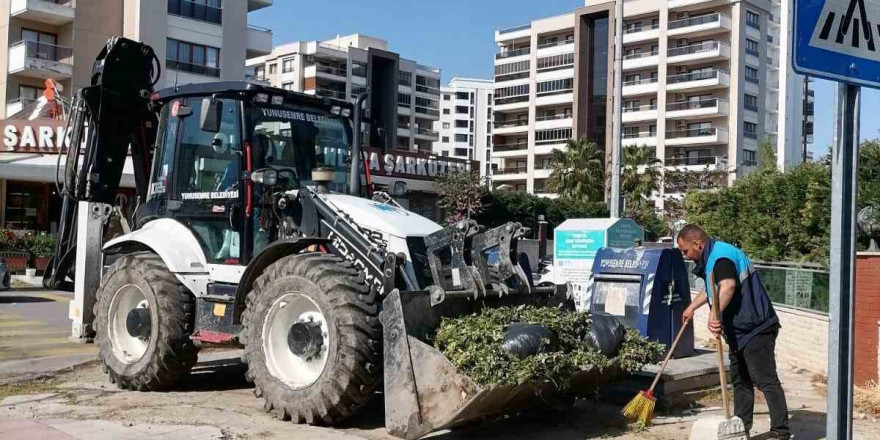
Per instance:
x=459, y=37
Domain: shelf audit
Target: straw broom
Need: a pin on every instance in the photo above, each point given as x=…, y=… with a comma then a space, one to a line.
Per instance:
x=641, y=408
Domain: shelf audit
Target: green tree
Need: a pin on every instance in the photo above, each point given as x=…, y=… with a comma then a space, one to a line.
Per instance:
x=500, y=207
x=578, y=172
x=461, y=195
x=869, y=173
x=640, y=175
x=767, y=156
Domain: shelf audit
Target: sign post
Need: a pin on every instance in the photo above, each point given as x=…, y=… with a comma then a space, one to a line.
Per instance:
x=839, y=40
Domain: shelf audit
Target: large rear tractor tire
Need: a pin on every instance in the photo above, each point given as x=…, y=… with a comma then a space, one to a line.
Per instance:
x=144, y=318
x=313, y=339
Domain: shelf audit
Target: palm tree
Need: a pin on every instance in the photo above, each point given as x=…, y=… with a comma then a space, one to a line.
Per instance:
x=640, y=175
x=578, y=172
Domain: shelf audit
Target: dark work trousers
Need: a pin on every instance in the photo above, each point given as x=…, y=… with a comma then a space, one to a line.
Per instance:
x=755, y=366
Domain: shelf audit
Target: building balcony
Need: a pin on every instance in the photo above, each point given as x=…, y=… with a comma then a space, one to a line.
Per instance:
x=640, y=60
x=326, y=72
x=696, y=163
x=556, y=47
x=555, y=121
x=541, y=173
x=543, y=148
x=514, y=32
x=693, y=109
x=700, y=52
x=195, y=11
x=641, y=139
x=647, y=86
x=429, y=113
x=688, y=4
x=54, y=12
x=403, y=130
x=509, y=127
x=15, y=106
x=426, y=134
x=512, y=173
x=511, y=103
x=512, y=53
x=640, y=34
x=642, y=113
x=259, y=41
x=192, y=68
x=697, y=136
x=516, y=149
x=699, y=26
x=702, y=80
x=555, y=98
x=329, y=93
x=254, y=5
x=40, y=60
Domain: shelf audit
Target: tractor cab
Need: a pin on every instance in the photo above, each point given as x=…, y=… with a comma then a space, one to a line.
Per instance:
x=221, y=146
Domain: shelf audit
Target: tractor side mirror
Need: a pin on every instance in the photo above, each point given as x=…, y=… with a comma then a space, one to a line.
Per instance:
x=212, y=113
x=265, y=176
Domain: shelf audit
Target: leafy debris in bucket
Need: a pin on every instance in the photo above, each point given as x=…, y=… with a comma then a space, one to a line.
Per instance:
x=473, y=344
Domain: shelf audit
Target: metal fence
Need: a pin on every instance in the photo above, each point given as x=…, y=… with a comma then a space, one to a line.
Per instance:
x=792, y=285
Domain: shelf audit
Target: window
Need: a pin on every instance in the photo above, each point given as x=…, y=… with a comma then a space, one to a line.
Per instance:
x=404, y=99
x=42, y=45
x=461, y=123
x=446, y=139
x=753, y=19
x=631, y=106
x=461, y=152
x=445, y=125
x=749, y=157
x=273, y=68
x=556, y=61
x=287, y=65
x=445, y=111
x=652, y=130
x=461, y=95
x=193, y=58
x=752, y=47
x=509, y=71
x=555, y=86
x=750, y=130
x=444, y=153
x=750, y=102
x=630, y=132
x=752, y=74
x=404, y=78
x=633, y=26
x=202, y=10
x=461, y=109
x=287, y=86
x=427, y=106
x=427, y=85
x=461, y=138
x=447, y=97
x=28, y=94
x=552, y=136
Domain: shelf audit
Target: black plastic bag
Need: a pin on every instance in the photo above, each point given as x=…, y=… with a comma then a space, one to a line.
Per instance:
x=606, y=334
x=524, y=340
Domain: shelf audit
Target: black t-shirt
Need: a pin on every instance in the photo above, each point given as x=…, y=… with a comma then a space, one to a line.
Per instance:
x=725, y=269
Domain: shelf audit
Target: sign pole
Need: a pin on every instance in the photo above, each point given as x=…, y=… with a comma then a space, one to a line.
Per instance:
x=617, y=132
x=844, y=187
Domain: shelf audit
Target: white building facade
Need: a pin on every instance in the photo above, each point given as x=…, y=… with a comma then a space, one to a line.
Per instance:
x=702, y=87
x=465, y=124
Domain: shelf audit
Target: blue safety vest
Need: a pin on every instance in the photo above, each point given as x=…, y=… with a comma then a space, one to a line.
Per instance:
x=750, y=311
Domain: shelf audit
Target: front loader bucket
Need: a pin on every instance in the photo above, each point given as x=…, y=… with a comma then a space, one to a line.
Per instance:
x=425, y=392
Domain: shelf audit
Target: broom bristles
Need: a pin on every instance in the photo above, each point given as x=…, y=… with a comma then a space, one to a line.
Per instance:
x=640, y=408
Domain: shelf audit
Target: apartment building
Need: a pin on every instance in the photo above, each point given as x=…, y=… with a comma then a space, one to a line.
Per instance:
x=197, y=41
x=338, y=68
x=701, y=87
x=465, y=124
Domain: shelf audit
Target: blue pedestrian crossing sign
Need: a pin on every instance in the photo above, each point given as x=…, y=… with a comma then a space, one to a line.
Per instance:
x=838, y=40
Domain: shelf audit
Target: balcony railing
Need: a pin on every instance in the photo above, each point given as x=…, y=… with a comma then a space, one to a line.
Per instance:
x=639, y=82
x=642, y=28
x=360, y=71
x=44, y=51
x=552, y=118
x=511, y=170
x=331, y=70
x=753, y=52
x=192, y=68
x=639, y=134
x=640, y=108
x=750, y=134
x=752, y=107
x=554, y=92
x=679, y=161
x=691, y=133
x=693, y=76
x=555, y=43
x=515, y=28
x=634, y=56
x=427, y=111
x=511, y=99
x=338, y=94
x=427, y=132
x=510, y=147
x=753, y=79
x=693, y=105
x=195, y=11
x=695, y=21
x=706, y=46
x=508, y=124
x=551, y=141
x=513, y=53
x=427, y=89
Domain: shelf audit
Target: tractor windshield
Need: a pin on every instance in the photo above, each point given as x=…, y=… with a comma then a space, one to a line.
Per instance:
x=297, y=139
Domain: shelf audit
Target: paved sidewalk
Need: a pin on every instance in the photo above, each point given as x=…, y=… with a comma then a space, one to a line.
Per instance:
x=63, y=429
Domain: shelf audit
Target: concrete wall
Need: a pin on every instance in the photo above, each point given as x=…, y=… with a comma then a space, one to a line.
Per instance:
x=95, y=23
x=802, y=341
x=234, y=47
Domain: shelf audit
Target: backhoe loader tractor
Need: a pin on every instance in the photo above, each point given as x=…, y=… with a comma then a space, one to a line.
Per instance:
x=252, y=229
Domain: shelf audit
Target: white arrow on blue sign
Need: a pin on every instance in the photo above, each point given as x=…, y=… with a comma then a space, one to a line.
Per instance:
x=838, y=40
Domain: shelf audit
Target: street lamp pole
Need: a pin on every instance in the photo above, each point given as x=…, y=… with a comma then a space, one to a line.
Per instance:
x=617, y=110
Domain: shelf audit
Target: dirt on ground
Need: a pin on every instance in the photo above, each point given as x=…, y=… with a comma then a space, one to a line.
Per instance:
x=218, y=395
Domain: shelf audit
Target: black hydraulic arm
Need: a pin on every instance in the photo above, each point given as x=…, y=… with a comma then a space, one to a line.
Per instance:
x=106, y=118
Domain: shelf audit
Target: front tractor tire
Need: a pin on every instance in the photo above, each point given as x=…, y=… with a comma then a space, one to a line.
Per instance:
x=144, y=318
x=313, y=339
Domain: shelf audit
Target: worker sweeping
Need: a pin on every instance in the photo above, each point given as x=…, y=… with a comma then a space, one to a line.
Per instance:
x=748, y=322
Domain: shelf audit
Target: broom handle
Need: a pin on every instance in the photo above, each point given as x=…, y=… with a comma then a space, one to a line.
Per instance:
x=721, y=373
x=668, y=355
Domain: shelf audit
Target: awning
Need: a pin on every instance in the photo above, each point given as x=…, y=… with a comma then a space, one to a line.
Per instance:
x=37, y=167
